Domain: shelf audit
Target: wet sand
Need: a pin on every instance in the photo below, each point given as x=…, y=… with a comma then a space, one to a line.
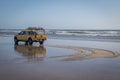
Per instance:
x=85, y=53
x=59, y=61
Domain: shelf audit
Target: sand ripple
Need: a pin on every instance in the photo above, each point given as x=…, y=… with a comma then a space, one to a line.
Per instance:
x=84, y=53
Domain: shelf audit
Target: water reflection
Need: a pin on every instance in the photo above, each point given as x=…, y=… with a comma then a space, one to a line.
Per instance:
x=31, y=52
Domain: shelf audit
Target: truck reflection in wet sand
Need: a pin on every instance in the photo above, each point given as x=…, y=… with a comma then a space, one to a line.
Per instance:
x=31, y=52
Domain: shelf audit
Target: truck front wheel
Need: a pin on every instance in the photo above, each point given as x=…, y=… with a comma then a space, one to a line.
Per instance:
x=16, y=41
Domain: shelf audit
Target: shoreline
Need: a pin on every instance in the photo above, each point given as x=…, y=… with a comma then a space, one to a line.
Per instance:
x=62, y=38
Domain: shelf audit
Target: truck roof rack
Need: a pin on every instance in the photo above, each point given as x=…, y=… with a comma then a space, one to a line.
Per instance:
x=34, y=28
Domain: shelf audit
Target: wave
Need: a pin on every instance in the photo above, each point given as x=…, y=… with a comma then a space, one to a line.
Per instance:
x=85, y=32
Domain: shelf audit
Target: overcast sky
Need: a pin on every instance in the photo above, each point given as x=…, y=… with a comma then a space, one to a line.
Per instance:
x=60, y=14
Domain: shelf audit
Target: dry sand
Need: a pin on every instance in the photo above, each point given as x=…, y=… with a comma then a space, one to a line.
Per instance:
x=84, y=53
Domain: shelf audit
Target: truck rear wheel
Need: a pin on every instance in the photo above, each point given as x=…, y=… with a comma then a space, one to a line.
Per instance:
x=41, y=42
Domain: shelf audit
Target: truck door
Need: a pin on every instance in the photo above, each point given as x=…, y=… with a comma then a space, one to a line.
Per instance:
x=24, y=36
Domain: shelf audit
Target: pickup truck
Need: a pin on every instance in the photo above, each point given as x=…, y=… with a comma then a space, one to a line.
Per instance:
x=31, y=35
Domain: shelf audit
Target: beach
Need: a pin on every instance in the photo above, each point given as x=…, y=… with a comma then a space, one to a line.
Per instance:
x=59, y=59
x=59, y=39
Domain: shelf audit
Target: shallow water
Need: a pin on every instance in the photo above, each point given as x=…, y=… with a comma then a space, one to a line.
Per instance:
x=20, y=64
x=113, y=46
x=22, y=53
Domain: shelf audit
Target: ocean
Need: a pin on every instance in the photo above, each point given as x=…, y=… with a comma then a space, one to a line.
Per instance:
x=69, y=34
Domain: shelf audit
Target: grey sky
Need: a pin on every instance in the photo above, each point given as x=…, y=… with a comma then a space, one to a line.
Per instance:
x=60, y=14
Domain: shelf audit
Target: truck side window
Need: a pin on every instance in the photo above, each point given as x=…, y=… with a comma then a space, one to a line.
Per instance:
x=32, y=33
x=22, y=33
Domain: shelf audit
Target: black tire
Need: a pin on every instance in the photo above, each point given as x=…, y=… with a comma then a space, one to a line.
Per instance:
x=16, y=41
x=41, y=42
x=30, y=41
